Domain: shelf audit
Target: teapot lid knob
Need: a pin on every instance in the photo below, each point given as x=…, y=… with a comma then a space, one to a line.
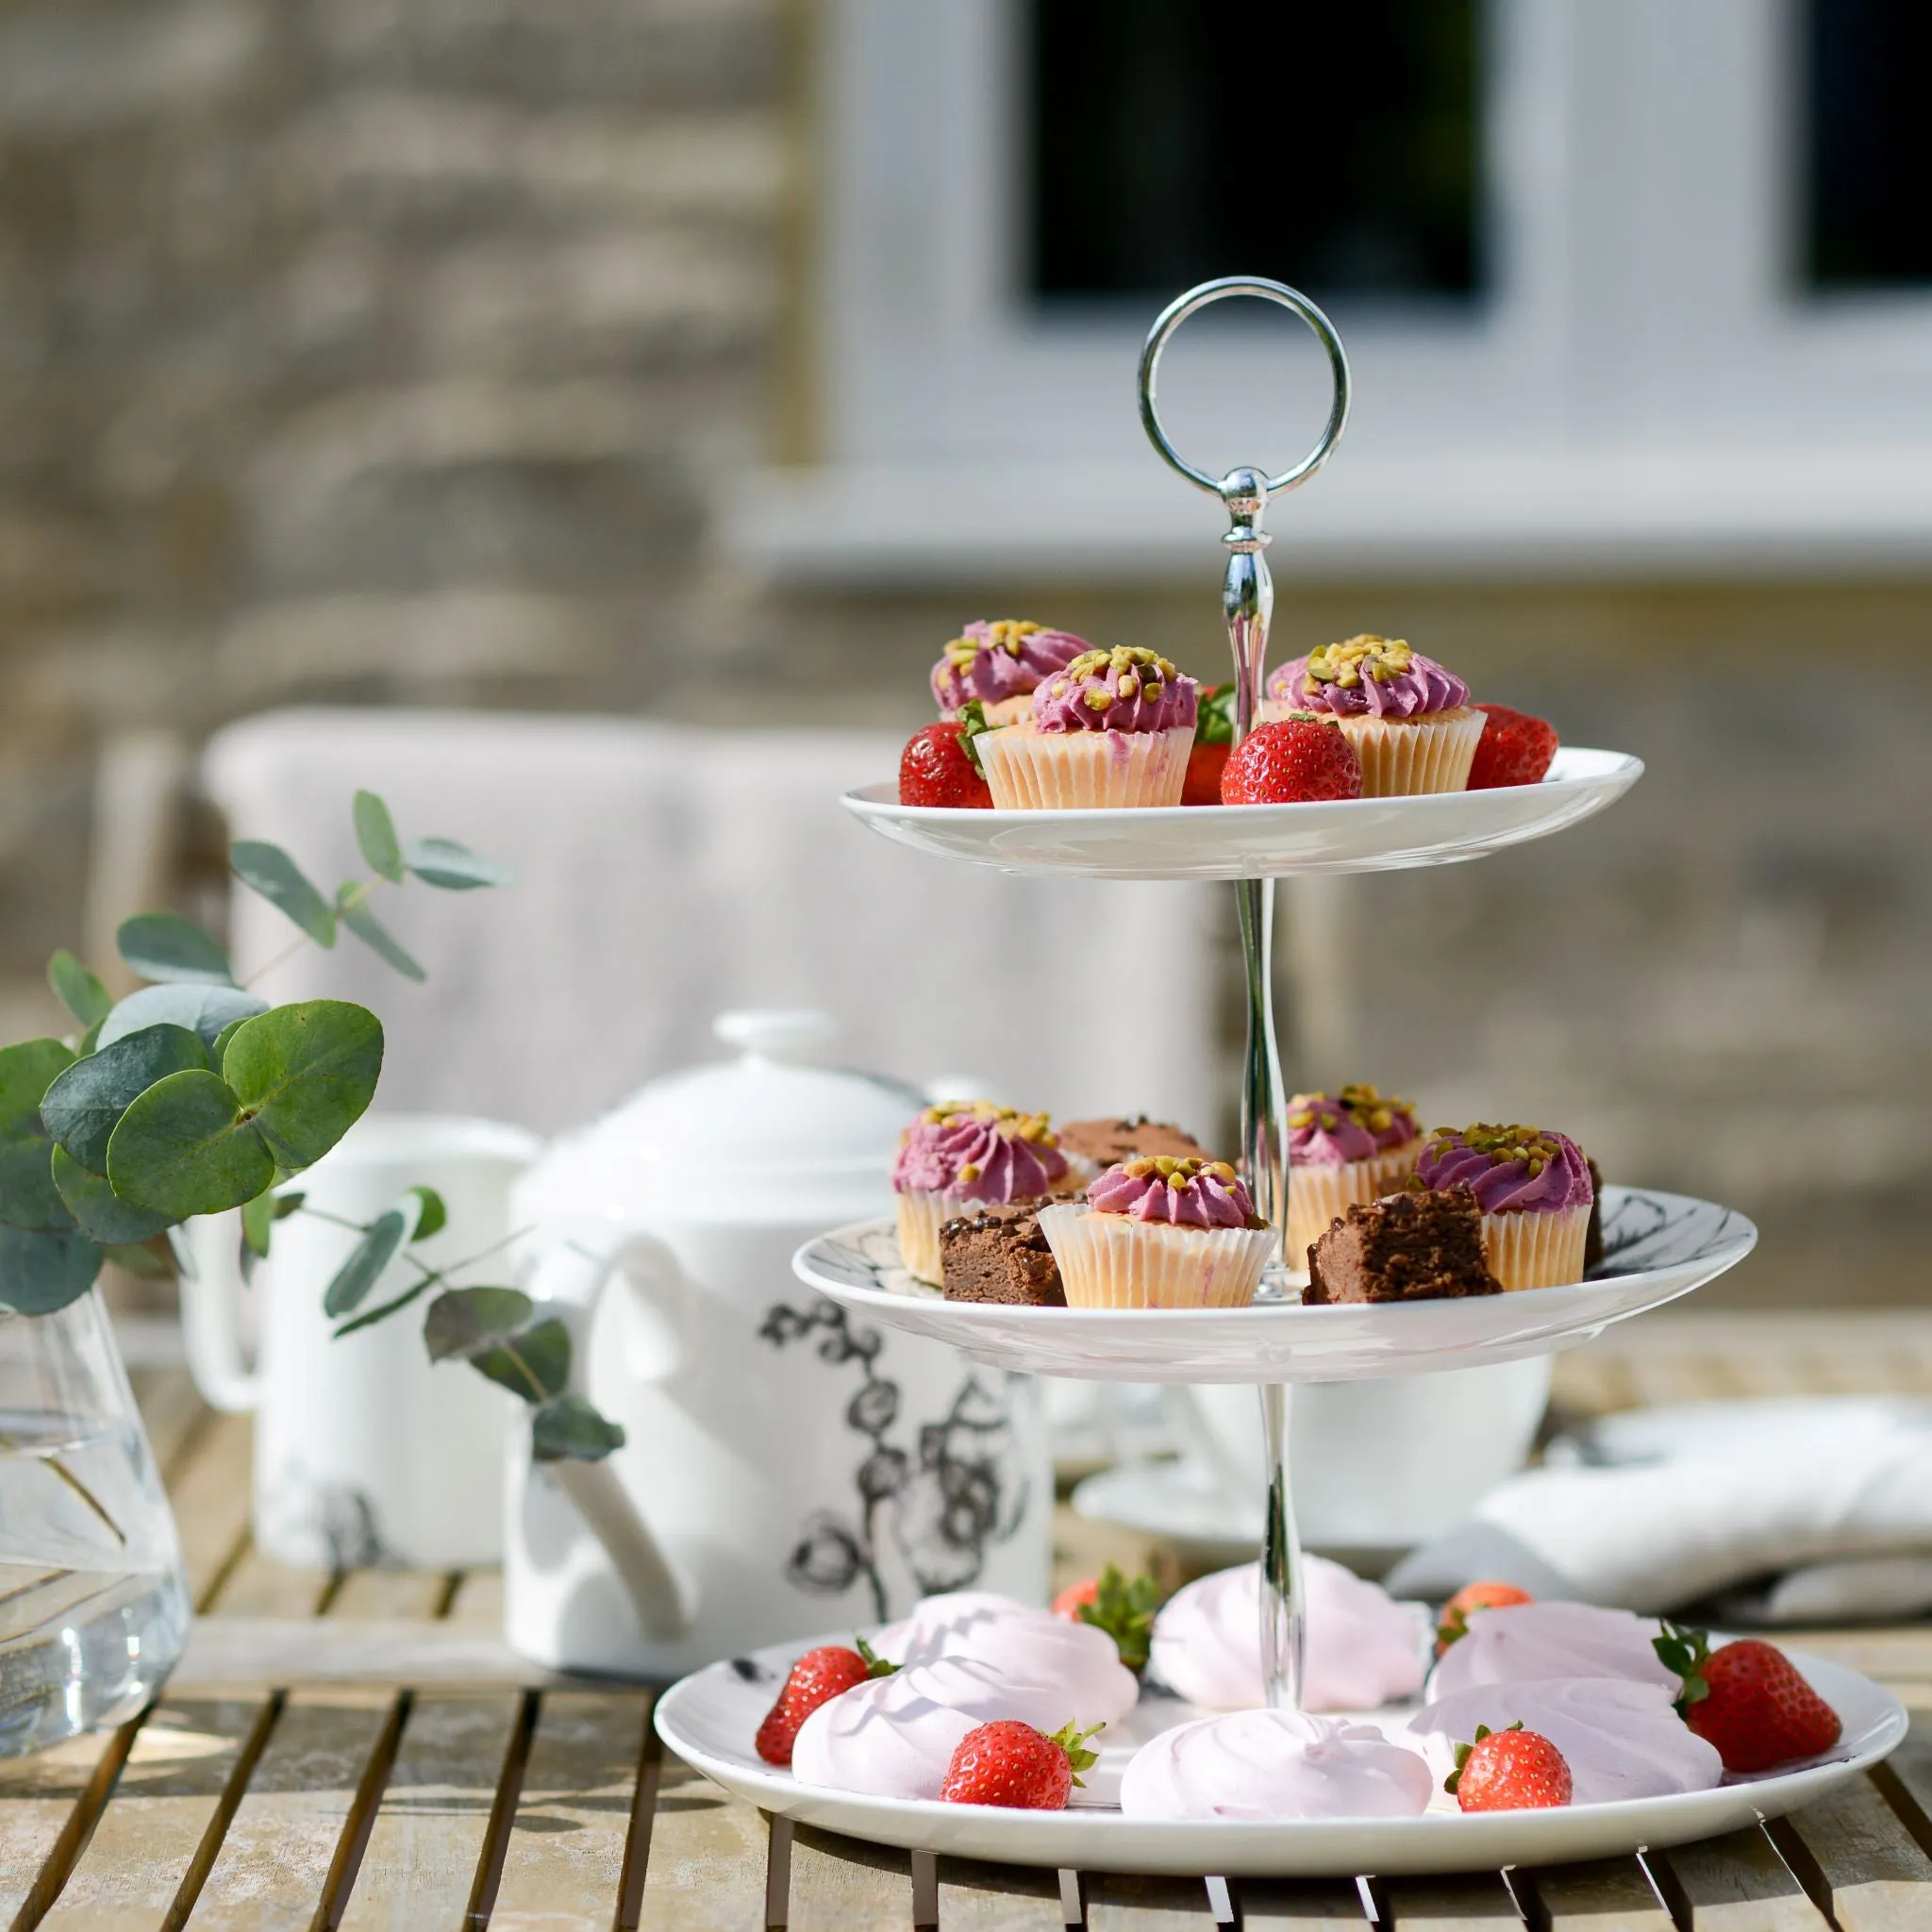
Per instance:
x=775, y=1035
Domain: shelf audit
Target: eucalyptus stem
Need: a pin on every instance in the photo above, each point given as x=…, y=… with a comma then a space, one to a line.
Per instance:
x=60, y=1469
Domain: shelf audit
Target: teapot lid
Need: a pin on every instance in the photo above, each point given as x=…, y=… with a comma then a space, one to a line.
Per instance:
x=771, y=1134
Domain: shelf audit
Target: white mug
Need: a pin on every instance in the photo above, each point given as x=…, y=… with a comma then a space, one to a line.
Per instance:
x=1377, y=1465
x=365, y=1451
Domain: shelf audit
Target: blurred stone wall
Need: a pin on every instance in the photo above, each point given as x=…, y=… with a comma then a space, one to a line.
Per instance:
x=392, y=349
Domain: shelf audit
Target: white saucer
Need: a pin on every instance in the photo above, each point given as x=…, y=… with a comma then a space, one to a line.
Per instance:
x=1659, y=1246
x=1247, y=841
x=710, y=1719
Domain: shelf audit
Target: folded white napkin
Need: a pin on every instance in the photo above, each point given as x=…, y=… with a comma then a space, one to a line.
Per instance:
x=1804, y=1510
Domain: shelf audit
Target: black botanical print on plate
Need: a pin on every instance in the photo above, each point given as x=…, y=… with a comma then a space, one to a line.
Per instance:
x=938, y=1503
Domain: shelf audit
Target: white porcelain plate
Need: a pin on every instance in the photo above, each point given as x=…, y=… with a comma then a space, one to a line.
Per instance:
x=709, y=1718
x=1657, y=1247
x=1248, y=842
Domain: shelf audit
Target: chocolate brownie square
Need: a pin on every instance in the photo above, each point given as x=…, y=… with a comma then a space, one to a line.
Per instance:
x=1106, y=1142
x=1420, y=1245
x=999, y=1253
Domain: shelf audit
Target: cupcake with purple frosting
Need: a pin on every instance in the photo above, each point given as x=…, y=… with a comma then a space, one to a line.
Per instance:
x=961, y=1153
x=1160, y=1233
x=1113, y=729
x=1411, y=721
x=1001, y=662
x=1343, y=1148
x=1534, y=1189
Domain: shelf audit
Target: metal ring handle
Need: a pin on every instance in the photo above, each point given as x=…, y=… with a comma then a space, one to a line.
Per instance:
x=1178, y=311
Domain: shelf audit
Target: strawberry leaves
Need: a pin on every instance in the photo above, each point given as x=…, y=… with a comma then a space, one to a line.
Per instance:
x=1073, y=1742
x=1125, y=1610
x=1684, y=1652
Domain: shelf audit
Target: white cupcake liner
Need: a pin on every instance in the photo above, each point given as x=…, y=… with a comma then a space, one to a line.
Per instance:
x=1528, y=1249
x=922, y=1212
x=1402, y=757
x=1028, y=770
x=1318, y=1194
x=1113, y=1262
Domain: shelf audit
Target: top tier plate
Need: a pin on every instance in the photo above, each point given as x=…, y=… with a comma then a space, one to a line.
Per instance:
x=1251, y=842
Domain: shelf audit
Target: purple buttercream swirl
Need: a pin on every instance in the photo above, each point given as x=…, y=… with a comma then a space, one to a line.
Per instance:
x=1386, y=679
x=973, y=1151
x=1123, y=690
x=1510, y=1169
x=1004, y=659
x=1332, y=1130
x=1186, y=1194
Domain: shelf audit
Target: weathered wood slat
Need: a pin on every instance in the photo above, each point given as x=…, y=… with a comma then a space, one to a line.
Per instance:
x=704, y=1869
x=286, y=1651
x=257, y=1586
x=1909, y=1769
x=843, y=1885
x=407, y=1596
x=1608, y=1895
x=1124, y=1901
x=996, y=1898
x=1300, y=1905
x=564, y=1860
x=210, y=1498
x=276, y=1856
x=161, y=1823
x=422, y=1864
x=478, y=1602
x=169, y=1407
x=1464, y=1903
x=1876, y=1877
x=1736, y=1883
x=47, y=1804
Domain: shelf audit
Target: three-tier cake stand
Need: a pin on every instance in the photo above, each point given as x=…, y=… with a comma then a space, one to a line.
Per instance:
x=1658, y=1246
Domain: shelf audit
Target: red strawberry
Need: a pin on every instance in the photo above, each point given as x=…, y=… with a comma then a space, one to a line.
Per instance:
x=1748, y=1699
x=816, y=1678
x=1300, y=758
x=939, y=765
x=1011, y=1764
x=1514, y=749
x=1509, y=1771
x=1213, y=741
x=1474, y=1596
x=1066, y=1604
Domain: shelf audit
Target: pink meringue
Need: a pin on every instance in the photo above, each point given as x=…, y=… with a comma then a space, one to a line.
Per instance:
x=894, y=1737
x=1032, y=1646
x=1537, y=1642
x=1362, y=1648
x=1619, y=1737
x=1276, y=1764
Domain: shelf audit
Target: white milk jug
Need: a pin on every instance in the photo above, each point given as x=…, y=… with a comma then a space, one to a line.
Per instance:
x=365, y=1451
x=788, y=1469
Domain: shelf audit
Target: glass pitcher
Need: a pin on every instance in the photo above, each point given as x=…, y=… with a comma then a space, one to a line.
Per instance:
x=93, y=1604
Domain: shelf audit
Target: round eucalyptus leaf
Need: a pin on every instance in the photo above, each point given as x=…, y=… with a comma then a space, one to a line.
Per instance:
x=305, y=1073
x=185, y=1147
x=533, y=1364
x=268, y=869
x=98, y=1211
x=567, y=1425
x=28, y=1198
x=78, y=990
x=203, y=1009
x=376, y=837
x=41, y=1272
x=83, y=1106
x=165, y=946
x=432, y=1216
x=27, y=1071
x=462, y=1320
x=375, y=935
x=367, y=1259
x=455, y=868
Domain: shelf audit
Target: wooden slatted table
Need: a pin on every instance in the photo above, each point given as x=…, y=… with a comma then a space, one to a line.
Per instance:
x=360, y=1751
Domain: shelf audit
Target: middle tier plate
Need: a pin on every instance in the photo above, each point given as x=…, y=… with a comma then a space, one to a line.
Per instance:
x=1658, y=1246
x=1258, y=842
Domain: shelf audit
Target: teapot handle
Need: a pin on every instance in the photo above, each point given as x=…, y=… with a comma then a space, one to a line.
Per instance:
x=207, y=1256
x=569, y=1282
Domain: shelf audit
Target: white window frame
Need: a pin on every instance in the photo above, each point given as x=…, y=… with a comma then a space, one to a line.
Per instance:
x=1645, y=392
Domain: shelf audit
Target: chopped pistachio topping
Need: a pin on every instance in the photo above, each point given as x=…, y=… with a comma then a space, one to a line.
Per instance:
x=1361, y=1103
x=1348, y=662
x=1009, y=1121
x=1534, y=1148
x=1179, y=1173
x=1136, y=673
x=1003, y=634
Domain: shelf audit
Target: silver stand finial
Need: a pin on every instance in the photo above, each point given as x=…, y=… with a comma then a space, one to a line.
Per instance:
x=1247, y=603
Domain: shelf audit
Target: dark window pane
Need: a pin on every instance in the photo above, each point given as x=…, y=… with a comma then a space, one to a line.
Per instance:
x=1331, y=146
x=1869, y=148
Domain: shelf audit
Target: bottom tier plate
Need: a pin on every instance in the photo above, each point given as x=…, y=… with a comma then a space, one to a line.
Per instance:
x=1658, y=1246
x=709, y=1718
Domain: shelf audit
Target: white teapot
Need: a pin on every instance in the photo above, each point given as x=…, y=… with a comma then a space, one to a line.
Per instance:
x=788, y=1469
